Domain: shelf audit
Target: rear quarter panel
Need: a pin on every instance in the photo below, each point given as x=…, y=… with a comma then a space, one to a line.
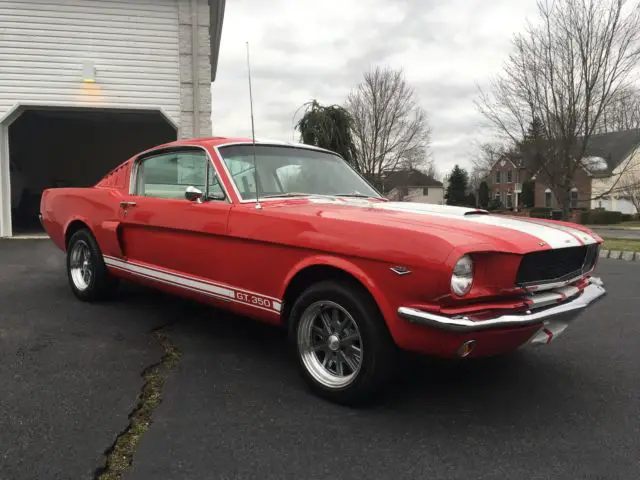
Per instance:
x=95, y=207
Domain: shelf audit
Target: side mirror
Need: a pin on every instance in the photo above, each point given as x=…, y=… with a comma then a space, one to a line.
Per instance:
x=193, y=194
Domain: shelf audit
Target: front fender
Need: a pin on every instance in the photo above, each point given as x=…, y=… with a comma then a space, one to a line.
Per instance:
x=347, y=266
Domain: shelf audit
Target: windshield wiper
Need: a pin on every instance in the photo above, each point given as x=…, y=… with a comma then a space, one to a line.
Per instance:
x=358, y=195
x=287, y=194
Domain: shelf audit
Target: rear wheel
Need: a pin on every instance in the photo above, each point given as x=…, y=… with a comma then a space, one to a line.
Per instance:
x=88, y=276
x=344, y=350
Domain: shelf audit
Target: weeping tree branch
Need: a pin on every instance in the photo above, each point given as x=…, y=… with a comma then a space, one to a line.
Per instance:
x=328, y=127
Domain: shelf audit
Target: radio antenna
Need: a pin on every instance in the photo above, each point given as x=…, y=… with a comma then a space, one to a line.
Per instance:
x=253, y=131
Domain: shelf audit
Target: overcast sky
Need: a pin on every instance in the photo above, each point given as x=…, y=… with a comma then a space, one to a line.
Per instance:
x=304, y=49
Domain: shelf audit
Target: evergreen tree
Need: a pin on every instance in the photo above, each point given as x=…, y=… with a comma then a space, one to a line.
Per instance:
x=527, y=196
x=457, y=189
x=328, y=127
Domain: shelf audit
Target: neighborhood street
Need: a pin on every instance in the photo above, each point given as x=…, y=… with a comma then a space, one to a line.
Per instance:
x=627, y=233
x=234, y=408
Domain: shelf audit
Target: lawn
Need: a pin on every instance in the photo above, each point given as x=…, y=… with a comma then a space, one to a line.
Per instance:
x=632, y=224
x=621, y=244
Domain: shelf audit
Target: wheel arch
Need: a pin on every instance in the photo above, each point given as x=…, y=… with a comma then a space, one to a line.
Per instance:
x=72, y=227
x=316, y=269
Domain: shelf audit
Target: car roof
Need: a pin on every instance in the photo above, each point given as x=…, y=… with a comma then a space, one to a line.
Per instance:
x=219, y=141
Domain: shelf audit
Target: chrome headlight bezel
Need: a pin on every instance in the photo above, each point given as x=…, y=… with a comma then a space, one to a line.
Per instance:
x=462, y=276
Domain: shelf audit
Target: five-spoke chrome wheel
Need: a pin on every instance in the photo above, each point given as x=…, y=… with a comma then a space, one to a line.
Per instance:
x=81, y=266
x=330, y=344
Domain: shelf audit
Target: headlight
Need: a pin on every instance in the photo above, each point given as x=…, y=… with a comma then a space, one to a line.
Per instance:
x=462, y=276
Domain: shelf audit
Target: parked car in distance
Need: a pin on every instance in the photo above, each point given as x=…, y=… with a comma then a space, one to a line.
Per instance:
x=353, y=278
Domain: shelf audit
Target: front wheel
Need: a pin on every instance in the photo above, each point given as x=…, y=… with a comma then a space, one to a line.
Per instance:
x=343, y=347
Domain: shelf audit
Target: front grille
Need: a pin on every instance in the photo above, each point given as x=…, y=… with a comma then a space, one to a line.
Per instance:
x=556, y=265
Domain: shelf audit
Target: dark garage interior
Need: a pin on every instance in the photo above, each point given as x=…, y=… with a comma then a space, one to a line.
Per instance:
x=73, y=148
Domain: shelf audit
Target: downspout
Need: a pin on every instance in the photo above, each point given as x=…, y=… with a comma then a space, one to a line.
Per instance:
x=195, y=63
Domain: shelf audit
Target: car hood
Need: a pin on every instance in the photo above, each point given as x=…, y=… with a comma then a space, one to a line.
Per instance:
x=459, y=225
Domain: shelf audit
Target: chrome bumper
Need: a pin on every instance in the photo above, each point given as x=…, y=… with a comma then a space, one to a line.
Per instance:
x=562, y=313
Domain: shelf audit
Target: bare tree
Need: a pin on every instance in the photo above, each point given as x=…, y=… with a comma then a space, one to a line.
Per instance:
x=563, y=74
x=418, y=159
x=630, y=189
x=623, y=113
x=389, y=126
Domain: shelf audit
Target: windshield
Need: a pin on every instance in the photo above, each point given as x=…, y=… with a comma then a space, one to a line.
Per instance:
x=288, y=171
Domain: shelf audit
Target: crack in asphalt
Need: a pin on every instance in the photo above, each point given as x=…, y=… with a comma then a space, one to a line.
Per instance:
x=119, y=456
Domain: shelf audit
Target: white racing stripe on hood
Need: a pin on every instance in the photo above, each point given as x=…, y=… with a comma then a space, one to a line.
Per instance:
x=585, y=237
x=554, y=236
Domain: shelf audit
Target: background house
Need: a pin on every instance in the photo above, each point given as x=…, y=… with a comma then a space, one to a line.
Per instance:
x=85, y=84
x=612, y=160
x=505, y=181
x=413, y=186
x=616, y=171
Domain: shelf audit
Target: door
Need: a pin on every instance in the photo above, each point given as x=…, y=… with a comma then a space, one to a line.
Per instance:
x=176, y=215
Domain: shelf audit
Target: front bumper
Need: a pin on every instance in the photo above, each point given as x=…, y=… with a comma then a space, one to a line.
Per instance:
x=557, y=317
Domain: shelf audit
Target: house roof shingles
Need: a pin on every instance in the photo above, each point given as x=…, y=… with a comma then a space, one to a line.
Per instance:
x=612, y=147
x=410, y=178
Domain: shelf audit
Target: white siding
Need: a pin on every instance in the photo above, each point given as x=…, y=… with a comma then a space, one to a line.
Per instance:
x=435, y=195
x=133, y=45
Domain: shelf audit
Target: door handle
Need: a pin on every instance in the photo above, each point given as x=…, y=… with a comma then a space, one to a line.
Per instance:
x=125, y=204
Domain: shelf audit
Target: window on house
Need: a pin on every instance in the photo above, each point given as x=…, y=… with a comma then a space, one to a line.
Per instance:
x=574, y=199
x=509, y=200
x=547, y=199
x=425, y=191
x=509, y=176
x=498, y=177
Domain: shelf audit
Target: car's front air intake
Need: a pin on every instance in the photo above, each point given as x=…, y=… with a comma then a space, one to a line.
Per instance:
x=556, y=265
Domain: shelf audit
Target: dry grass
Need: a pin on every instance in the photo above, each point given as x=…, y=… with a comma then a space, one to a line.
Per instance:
x=624, y=244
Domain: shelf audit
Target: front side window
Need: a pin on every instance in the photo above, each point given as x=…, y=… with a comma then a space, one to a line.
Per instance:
x=509, y=176
x=168, y=175
x=498, y=176
x=284, y=171
x=547, y=199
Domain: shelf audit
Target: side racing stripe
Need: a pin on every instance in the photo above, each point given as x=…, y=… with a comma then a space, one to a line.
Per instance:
x=204, y=287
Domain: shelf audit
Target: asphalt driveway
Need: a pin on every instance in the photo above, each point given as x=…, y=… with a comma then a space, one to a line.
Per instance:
x=71, y=373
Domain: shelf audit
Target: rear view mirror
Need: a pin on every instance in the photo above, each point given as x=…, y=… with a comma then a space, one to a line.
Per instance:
x=193, y=194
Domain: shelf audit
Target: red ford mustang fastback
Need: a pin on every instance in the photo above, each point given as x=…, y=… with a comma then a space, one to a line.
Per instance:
x=354, y=278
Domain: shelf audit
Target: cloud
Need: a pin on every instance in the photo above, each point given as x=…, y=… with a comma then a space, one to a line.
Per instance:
x=302, y=50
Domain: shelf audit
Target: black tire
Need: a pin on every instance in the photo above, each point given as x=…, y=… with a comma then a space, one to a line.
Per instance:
x=378, y=351
x=101, y=285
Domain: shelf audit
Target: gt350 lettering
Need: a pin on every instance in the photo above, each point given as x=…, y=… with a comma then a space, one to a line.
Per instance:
x=253, y=299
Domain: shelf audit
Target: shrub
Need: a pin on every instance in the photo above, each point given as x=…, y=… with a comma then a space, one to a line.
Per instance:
x=600, y=217
x=540, y=212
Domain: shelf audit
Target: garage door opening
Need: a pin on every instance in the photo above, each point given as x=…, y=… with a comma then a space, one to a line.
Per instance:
x=72, y=148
